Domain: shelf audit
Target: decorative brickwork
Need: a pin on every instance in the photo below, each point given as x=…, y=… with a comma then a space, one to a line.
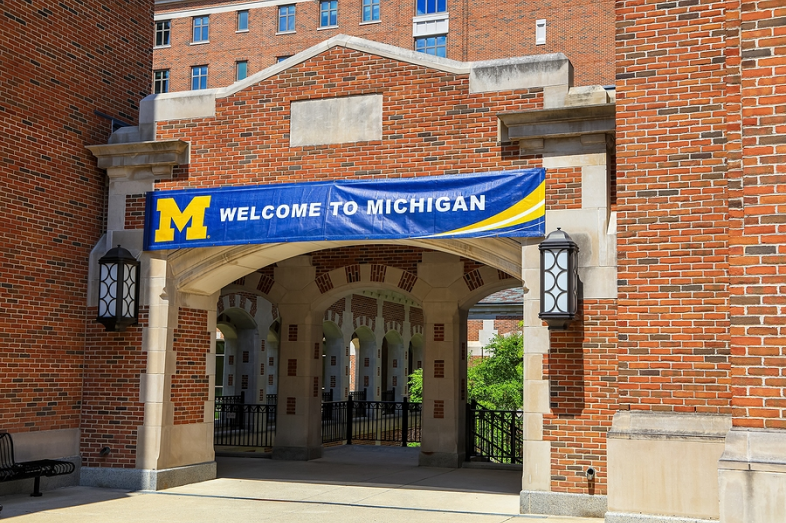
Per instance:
x=317, y=351
x=353, y=273
x=293, y=333
x=473, y=279
x=190, y=384
x=399, y=256
x=324, y=283
x=265, y=284
x=439, y=409
x=378, y=272
x=315, y=388
x=439, y=332
x=291, y=406
x=407, y=281
x=363, y=306
x=439, y=368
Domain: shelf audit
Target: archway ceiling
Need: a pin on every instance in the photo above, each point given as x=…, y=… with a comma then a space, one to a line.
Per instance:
x=206, y=270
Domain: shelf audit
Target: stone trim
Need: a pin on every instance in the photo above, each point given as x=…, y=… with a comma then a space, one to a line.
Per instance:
x=625, y=517
x=146, y=479
x=669, y=425
x=562, y=504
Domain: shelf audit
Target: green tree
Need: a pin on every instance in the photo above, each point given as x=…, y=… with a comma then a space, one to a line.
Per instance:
x=496, y=382
x=416, y=386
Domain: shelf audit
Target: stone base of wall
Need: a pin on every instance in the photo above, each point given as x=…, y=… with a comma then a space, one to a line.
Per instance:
x=562, y=504
x=752, y=476
x=144, y=479
x=623, y=517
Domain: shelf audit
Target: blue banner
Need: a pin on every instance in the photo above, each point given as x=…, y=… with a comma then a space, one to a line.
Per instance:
x=509, y=203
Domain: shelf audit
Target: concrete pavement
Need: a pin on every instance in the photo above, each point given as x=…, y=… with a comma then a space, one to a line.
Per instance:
x=349, y=484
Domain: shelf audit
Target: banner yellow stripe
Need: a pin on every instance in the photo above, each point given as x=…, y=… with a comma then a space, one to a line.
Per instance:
x=529, y=208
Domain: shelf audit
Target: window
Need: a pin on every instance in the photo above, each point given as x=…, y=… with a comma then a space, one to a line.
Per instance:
x=242, y=20
x=431, y=45
x=282, y=58
x=540, y=32
x=286, y=18
x=241, y=70
x=161, y=81
x=328, y=13
x=199, y=77
x=162, y=33
x=201, y=28
x=370, y=10
x=427, y=7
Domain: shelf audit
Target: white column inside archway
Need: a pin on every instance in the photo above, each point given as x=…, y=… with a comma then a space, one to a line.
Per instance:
x=366, y=362
x=335, y=361
x=395, y=364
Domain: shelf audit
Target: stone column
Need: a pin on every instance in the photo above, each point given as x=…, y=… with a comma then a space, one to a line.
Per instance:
x=443, y=441
x=298, y=414
x=537, y=453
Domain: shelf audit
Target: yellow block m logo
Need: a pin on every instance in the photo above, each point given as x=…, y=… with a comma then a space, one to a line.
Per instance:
x=171, y=213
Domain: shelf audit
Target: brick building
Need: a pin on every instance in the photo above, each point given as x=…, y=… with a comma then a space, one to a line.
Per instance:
x=669, y=381
x=212, y=43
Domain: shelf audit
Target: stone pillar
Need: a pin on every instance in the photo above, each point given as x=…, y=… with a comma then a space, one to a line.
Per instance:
x=537, y=453
x=444, y=416
x=298, y=414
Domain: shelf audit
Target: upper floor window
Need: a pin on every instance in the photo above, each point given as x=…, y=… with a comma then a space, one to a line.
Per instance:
x=199, y=77
x=370, y=10
x=286, y=18
x=201, y=28
x=242, y=20
x=328, y=13
x=161, y=81
x=427, y=7
x=241, y=70
x=162, y=33
x=432, y=45
x=282, y=58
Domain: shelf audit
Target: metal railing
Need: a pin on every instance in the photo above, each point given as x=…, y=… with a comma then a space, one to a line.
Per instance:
x=244, y=425
x=494, y=434
x=377, y=421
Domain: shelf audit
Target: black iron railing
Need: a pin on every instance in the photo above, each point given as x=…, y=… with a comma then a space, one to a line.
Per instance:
x=244, y=425
x=494, y=434
x=377, y=421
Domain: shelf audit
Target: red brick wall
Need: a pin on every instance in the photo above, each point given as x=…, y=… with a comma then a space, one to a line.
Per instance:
x=58, y=64
x=479, y=30
x=111, y=411
x=260, y=114
x=582, y=369
x=399, y=256
x=364, y=306
x=757, y=94
x=190, y=385
x=563, y=188
x=672, y=203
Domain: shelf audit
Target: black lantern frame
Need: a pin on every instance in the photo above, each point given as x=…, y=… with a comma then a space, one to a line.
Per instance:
x=559, y=280
x=118, y=290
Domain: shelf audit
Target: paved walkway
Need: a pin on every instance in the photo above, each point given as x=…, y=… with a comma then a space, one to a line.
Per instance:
x=349, y=484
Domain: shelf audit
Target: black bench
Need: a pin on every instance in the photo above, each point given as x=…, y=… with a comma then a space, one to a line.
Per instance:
x=11, y=470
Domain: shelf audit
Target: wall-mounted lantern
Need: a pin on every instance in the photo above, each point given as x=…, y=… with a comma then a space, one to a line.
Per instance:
x=559, y=279
x=118, y=293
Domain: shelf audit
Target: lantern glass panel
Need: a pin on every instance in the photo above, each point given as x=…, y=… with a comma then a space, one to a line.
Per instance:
x=108, y=291
x=130, y=292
